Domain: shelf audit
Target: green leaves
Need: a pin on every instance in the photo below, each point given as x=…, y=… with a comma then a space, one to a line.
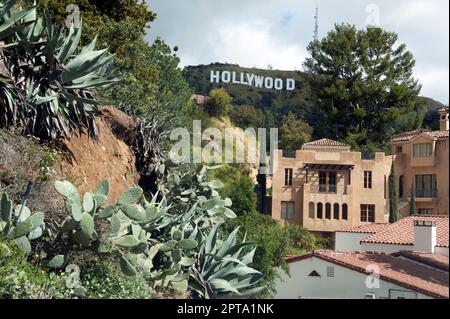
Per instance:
x=187, y=244
x=131, y=196
x=21, y=230
x=87, y=224
x=56, y=262
x=88, y=202
x=134, y=211
x=50, y=78
x=67, y=190
x=5, y=208
x=127, y=268
x=115, y=225
x=127, y=241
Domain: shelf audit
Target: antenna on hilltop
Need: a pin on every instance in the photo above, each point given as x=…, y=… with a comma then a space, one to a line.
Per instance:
x=316, y=22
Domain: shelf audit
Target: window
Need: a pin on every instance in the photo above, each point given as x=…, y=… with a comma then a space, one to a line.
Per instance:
x=399, y=149
x=336, y=211
x=401, y=182
x=332, y=182
x=422, y=150
x=322, y=182
x=385, y=187
x=426, y=186
x=319, y=210
x=328, y=211
x=426, y=211
x=344, y=211
x=311, y=210
x=287, y=210
x=368, y=179
x=288, y=172
x=368, y=213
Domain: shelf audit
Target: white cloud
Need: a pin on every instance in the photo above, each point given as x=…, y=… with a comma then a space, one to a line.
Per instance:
x=252, y=32
x=252, y=44
x=434, y=81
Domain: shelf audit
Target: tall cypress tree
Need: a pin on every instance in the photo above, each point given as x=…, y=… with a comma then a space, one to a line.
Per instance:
x=393, y=196
x=412, y=206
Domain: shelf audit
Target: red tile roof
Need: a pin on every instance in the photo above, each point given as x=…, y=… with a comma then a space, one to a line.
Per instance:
x=430, y=259
x=395, y=269
x=402, y=232
x=326, y=142
x=407, y=136
x=366, y=229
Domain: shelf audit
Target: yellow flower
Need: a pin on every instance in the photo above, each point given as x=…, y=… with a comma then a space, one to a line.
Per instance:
x=62, y=274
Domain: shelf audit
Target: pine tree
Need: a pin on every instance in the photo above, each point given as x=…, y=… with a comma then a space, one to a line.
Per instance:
x=412, y=206
x=393, y=196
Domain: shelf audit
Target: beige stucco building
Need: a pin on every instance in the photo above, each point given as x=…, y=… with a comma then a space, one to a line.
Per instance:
x=421, y=159
x=327, y=187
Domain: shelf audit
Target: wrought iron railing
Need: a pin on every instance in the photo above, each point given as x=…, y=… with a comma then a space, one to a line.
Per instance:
x=426, y=193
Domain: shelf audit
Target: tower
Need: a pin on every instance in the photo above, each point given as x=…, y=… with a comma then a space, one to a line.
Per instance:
x=316, y=23
x=443, y=119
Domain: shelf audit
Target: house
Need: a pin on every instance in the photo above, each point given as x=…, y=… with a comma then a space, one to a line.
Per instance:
x=327, y=187
x=365, y=275
x=413, y=233
x=421, y=162
x=200, y=99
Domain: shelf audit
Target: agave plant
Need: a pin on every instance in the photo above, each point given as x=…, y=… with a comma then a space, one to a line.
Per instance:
x=223, y=270
x=47, y=82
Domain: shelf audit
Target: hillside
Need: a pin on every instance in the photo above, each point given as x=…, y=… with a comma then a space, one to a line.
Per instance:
x=276, y=104
x=279, y=103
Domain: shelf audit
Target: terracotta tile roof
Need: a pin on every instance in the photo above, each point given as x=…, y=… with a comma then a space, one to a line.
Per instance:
x=400, y=271
x=434, y=260
x=407, y=136
x=440, y=135
x=402, y=232
x=366, y=229
x=326, y=142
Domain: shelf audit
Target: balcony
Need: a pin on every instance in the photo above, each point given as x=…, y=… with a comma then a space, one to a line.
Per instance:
x=426, y=193
x=330, y=190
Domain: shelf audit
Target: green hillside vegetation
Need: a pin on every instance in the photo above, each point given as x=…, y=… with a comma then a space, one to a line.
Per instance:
x=275, y=104
x=260, y=107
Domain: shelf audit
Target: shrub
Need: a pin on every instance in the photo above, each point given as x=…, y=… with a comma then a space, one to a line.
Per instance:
x=21, y=279
x=108, y=282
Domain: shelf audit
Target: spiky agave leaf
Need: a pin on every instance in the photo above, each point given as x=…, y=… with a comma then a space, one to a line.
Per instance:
x=221, y=270
x=52, y=73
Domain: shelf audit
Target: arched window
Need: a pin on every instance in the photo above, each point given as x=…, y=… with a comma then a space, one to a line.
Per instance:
x=336, y=211
x=328, y=211
x=319, y=210
x=311, y=210
x=401, y=182
x=344, y=211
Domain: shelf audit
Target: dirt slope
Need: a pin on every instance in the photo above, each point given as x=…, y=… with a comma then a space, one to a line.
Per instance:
x=90, y=161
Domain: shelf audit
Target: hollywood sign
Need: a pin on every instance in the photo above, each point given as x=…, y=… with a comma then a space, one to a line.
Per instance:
x=232, y=77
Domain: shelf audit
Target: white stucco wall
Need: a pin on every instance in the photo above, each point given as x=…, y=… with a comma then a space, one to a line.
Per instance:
x=349, y=241
x=346, y=283
x=441, y=251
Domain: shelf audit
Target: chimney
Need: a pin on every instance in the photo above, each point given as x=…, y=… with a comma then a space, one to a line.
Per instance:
x=424, y=236
x=443, y=119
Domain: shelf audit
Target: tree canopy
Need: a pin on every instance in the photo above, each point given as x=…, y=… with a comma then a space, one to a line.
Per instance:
x=364, y=80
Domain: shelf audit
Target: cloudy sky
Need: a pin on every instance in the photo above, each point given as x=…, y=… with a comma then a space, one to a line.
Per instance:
x=258, y=33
